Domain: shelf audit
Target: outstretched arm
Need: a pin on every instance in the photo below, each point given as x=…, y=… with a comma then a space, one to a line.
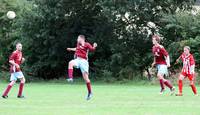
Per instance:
x=177, y=60
x=92, y=48
x=71, y=49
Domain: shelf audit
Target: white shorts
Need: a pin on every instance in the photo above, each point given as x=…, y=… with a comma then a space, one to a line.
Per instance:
x=162, y=69
x=16, y=75
x=82, y=64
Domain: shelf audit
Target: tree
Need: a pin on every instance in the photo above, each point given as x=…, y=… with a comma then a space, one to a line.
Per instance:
x=48, y=27
x=53, y=25
x=132, y=47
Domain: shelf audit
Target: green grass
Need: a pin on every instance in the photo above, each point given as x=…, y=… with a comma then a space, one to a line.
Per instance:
x=109, y=99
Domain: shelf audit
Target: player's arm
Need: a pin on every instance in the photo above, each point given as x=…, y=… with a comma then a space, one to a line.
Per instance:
x=177, y=60
x=11, y=60
x=23, y=59
x=71, y=49
x=167, y=59
x=166, y=55
x=14, y=64
x=154, y=62
x=192, y=67
x=92, y=48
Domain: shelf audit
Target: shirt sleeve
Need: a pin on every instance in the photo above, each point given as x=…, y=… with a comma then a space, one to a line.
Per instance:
x=192, y=61
x=152, y=49
x=163, y=51
x=90, y=47
x=12, y=57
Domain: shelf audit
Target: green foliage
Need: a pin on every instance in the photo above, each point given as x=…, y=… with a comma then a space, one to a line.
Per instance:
x=182, y=29
x=53, y=25
x=180, y=26
x=47, y=27
x=132, y=46
x=176, y=49
x=9, y=31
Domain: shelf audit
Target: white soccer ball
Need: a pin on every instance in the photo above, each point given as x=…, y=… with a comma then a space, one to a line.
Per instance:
x=151, y=24
x=11, y=14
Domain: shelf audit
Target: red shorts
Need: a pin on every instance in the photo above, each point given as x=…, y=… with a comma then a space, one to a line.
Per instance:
x=190, y=76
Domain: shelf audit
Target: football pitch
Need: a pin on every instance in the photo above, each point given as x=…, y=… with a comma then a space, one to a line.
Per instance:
x=109, y=99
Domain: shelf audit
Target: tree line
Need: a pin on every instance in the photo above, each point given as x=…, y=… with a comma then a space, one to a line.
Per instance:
x=47, y=27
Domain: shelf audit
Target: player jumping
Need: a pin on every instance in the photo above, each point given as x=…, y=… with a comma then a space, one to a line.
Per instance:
x=162, y=62
x=15, y=60
x=187, y=70
x=81, y=61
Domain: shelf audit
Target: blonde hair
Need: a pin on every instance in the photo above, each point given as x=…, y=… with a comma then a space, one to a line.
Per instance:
x=18, y=43
x=157, y=38
x=187, y=47
x=82, y=36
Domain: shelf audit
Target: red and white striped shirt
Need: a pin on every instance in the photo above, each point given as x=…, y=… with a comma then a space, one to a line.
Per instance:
x=188, y=63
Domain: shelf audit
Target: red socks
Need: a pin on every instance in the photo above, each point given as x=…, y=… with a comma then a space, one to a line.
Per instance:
x=7, y=90
x=168, y=84
x=89, y=87
x=21, y=86
x=194, y=89
x=70, y=73
x=180, y=86
x=162, y=84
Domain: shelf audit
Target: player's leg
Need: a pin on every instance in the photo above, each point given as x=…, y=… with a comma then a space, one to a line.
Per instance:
x=191, y=78
x=21, y=87
x=164, y=71
x=84, y=66
x=88, y=84
x=7, y=90
x=161, y=79
x=168, y=83
x=180, y=85
x=71, y=65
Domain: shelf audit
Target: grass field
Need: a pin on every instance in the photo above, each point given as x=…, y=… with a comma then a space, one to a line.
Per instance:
x=109, y=99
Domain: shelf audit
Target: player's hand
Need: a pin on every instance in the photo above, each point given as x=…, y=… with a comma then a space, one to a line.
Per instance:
x=23, y=59
x=177, y=61
x=153, y=64
x=168, y=65
x=68, y=49
x=95, y=45
x=17, y=66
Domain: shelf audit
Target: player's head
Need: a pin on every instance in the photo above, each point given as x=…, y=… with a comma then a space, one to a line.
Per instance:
x=19, y=46
x=186, y=50
x=155, y=39
x=81, y=39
